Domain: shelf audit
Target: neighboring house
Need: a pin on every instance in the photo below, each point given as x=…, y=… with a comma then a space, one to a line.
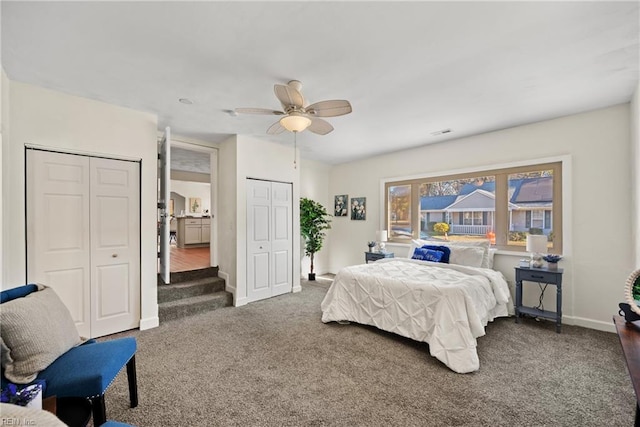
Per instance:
x=472, y=211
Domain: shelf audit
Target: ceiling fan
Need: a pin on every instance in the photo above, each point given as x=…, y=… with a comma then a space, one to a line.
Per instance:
x=297, y=115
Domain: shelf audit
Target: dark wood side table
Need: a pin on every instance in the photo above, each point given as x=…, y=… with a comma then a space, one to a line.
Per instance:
x=73, y=411
x=539, y=275
x=49, y=404
x=374, y=256
x=629, y=335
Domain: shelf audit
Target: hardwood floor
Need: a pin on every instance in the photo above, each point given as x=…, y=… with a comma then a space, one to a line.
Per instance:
x=185, y=259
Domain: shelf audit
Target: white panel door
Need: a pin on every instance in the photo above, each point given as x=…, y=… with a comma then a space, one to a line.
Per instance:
x=269, y=239
x=164, y=195
x=258, y=239
x=281, y=239
x=83, y=237
x=115, y=246
x=58, y=244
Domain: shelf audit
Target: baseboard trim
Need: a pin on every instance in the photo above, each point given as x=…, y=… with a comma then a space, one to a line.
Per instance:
x=296, y=289
x=589, y=323
x=240, y=301
x=149, y=323
x=225, y=277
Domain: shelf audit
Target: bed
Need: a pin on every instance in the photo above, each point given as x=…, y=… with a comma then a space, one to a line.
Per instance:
x=445, y=305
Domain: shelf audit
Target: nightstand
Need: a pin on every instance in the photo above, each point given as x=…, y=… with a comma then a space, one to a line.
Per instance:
x=374, y=256
x=539, y=275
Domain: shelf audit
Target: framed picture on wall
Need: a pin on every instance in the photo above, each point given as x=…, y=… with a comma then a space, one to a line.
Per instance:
x=195, y=204
x=359, y=208
x=341, y=205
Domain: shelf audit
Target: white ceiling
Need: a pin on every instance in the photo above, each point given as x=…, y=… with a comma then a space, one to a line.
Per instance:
x=189, y=161
x=408, y=68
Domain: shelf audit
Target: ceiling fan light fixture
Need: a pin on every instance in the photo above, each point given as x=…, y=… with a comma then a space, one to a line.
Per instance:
x=295, y=123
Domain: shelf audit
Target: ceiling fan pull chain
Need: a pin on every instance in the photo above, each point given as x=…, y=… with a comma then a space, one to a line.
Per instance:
x=295, y=150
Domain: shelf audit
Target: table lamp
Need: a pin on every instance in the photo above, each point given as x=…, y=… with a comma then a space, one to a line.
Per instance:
x=382, y=238
x=536, y=245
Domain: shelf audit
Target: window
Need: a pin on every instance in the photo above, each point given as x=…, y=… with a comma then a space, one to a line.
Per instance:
x=504, y=205
x=399, y=211
x=537, y=219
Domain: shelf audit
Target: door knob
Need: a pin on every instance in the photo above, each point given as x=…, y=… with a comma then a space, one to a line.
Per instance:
x=260, y=247
x=114, y=256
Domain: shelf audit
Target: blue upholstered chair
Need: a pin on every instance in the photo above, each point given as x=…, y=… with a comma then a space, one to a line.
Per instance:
x=86, y=370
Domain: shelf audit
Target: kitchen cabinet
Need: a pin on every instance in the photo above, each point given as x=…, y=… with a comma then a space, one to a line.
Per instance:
x=193, y=231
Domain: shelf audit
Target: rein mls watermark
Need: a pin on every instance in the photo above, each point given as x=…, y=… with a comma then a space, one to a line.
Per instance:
x=14, y=421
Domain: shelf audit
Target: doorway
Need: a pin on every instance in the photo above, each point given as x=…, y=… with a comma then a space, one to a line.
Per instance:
x=191, y=207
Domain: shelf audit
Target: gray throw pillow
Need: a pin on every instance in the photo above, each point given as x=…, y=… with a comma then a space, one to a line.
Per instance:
x=36, y=329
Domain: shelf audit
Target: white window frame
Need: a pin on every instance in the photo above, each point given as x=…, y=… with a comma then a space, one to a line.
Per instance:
x=565, y=187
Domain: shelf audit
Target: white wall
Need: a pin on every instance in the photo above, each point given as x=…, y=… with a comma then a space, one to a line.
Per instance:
x=52, y=119
x=597, y=257
x=4, y=138
x=635, y=168
x=227, y=226
x=314, y=184
x=243, y=157
x=189, y=189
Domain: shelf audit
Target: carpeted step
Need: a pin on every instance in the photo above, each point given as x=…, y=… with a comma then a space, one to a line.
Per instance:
x=189, y=289
x=189, y=306
x=186, y=276
x=201, y=273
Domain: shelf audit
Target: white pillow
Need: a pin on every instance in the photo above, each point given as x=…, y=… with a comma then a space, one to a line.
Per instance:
x=418, y=243
x=470, y=256
x=487, y=259
x=36, y=329
x=28, y=416
x=415, y=244
x=484, y=244
x=492, y=254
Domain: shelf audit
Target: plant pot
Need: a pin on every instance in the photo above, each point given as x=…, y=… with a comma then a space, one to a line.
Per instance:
x=312, y=276
x=552, y=266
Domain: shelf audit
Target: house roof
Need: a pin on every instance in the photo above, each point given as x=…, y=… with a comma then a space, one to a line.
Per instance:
x=469, y=188
x=436, y=203
x=533, y=190
x=526, y=193
x=479, y=200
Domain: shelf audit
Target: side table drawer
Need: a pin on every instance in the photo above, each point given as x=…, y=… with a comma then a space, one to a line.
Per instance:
x=538, y=276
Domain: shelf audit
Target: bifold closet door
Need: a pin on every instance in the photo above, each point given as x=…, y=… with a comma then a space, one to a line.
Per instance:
x=58, y=245
x=83, y=237
x=115, y=246
x=269, y=239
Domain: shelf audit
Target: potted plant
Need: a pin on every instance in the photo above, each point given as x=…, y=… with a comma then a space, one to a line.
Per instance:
x=552, y=261
x=314, y=220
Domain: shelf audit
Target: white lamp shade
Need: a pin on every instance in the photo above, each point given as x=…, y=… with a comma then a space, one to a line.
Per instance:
x=537, y=243
x=382, y=235
x=295, y=123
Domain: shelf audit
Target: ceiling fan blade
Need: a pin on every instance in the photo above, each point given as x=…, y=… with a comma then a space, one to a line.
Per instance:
x=333, y=108
x=258, y=111
x=319, y=126
x=288, y=96
x=275, y=129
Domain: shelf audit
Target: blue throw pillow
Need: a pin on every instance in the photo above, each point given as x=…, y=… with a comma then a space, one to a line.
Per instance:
x=427, y=254
x=446, y=251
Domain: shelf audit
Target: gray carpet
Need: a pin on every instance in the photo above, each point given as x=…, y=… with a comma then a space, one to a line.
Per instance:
x=274, y=363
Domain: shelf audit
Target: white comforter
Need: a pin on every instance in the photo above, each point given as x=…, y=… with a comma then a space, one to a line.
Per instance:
x=445, y=305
